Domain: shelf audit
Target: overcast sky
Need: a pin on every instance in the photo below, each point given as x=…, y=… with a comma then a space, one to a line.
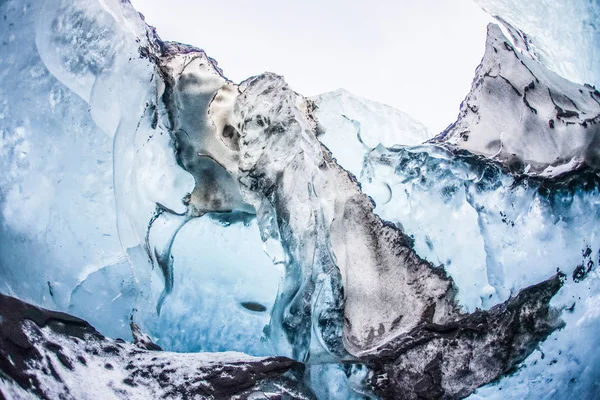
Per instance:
x=418, y=56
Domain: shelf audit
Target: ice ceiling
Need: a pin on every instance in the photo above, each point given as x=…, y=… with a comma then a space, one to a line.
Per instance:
x=144, y=191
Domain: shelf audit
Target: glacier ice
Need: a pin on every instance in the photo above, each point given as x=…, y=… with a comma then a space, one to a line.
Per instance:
x=164, y=203
x=518, y=230
x=558, y=124
x=563, y=34
x=358, y=125
x=58, y=195
x=56, y=185
x=224, y=300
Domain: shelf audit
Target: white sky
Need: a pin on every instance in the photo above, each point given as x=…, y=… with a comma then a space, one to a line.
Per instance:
x=416, y=55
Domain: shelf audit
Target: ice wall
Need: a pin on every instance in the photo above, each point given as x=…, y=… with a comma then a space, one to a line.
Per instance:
x=85, y=171
x=58, y=221
x=525, y=116
x=358, y=125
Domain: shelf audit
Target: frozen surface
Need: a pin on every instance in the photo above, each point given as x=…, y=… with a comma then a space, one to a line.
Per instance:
x=522, y=114
x=224, y=290
x=106, y=298
x=358, y=125
x=57, y=209
x=567, y=364
x=564, y=34
x=517, y=231
x=341, y=258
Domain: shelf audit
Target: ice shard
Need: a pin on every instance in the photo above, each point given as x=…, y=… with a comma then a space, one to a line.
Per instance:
x=46, y=354
x=351, y=126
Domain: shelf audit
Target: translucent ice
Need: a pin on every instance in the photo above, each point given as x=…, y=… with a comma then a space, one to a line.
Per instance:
x=88, y=162
x=358, y=125
x=496, y=233
x=57, y=207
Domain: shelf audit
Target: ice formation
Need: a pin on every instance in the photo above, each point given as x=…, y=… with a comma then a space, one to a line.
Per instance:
x=525, y=115
x=358, y=125
x=171, y=207
x=563, y=34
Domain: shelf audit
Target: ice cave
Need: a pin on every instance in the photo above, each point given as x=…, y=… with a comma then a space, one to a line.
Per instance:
x=170, y=232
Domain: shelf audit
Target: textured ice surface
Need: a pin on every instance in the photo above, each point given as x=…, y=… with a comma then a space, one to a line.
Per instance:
x=59, y=214
x=223, y=293
x=341, y=258
x=57, y=207
x=567, y=364
x=450, y=360
x=358, y=125
x=564, y=34
x=517, y=231
x=526, y=116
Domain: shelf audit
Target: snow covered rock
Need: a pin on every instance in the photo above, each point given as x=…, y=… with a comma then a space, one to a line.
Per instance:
x=46, y=354
x=522, y=114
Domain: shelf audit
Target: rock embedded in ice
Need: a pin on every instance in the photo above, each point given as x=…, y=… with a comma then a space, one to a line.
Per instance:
x=451, y=360
x=522, y=114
